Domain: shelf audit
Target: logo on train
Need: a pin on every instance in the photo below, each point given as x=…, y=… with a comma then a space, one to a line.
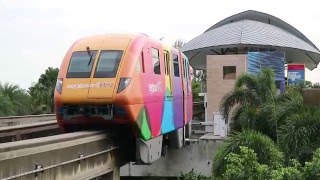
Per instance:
x=89, y=85
x=154, y=88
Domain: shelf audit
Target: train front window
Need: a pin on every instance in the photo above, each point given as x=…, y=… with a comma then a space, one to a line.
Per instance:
x=81, y=64
x=108, y=63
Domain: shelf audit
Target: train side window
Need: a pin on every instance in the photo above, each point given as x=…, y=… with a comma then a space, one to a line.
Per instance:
x=156, y=61
x=184, y=67
x=167, y=63
x=140, y=63
x=176, y=65
x=187, y=69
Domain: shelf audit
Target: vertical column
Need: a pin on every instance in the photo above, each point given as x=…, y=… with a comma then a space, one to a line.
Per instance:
x=114, y=175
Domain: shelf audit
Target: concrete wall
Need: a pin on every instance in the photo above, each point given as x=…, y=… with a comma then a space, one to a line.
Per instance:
x=196, y=155
x=311, y=96
x=217, y=87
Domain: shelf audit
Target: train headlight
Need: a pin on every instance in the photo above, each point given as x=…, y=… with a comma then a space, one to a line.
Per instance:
x=59, y=85
x=124, y=82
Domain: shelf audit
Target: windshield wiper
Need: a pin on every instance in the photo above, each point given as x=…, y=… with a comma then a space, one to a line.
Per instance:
x=90, y=55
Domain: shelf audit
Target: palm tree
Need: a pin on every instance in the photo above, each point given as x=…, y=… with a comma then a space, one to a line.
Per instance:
x=244, y=102
x=299, y=135
x=14, y=100
x=266, y=150
x=255, y=111
x=42, y=92
x=6, y=107
x=283, y=106
x=178, y=44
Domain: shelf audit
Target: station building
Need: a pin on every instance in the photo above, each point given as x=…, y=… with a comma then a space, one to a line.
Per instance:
x=246, y=42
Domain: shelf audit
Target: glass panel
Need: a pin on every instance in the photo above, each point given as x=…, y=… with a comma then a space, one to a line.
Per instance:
x=176, y=65
x=156, y=61
x=229, y=72
x=138, y=65
x=108, y=64
x=142, y=62
x=81, y=64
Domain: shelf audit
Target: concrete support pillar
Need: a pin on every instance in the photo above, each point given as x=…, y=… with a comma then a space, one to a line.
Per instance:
x=114, y=175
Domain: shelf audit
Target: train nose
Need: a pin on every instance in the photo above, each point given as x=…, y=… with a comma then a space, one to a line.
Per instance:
x=102, y=88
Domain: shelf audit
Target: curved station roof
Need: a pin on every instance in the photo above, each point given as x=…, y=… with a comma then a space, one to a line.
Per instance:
x=252, y=31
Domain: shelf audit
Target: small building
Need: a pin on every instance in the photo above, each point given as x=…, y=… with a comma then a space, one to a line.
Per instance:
x=246, y=42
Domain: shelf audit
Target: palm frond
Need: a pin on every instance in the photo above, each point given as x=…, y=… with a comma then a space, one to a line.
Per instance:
x=248, y=80
x=266, y=84
x=235, y=125
x=237, y=96
x=267, y=151
x=300, y=133
x=248, y=118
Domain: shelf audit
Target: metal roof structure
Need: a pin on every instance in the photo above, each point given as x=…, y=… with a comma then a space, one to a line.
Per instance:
x=252, y=31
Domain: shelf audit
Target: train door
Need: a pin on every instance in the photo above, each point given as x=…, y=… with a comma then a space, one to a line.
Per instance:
x=185, y=89
x=177, y=90
x=188, y=90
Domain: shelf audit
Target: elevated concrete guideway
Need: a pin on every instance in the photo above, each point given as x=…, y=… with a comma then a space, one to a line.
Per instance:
x=16, y=128
x=80, y=155
x=20, y=120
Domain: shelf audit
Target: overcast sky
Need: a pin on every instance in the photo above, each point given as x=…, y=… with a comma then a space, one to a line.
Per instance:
x=35, y=34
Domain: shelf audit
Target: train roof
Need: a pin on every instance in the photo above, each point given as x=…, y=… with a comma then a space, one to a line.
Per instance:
x=113, y=35
x=101, y=37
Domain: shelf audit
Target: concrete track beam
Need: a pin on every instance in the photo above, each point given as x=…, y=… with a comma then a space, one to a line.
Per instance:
x=80, y=155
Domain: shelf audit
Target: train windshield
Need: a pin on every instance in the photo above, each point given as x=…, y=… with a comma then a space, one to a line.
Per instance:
x=81, y=64
x=108, y=63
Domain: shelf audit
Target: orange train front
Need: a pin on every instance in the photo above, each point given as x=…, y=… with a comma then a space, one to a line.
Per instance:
x=121, y=79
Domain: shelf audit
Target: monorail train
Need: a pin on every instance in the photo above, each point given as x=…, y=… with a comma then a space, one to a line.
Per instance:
x=127, y=80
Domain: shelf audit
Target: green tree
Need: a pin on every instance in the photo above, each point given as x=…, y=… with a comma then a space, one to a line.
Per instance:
x=299, y=136
x=6, y=107
x=307, y=84
x=178, y=44
x=13, y=100
x=245, y=165
x=267, y=151
x=198, y=79
x=255, y=110
x=245, y=102
x=312, y=169
x=280, y=108
x=42, y=92
x=193, y=176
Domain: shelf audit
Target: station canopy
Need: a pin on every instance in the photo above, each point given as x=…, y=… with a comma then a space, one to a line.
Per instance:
x=252, y=31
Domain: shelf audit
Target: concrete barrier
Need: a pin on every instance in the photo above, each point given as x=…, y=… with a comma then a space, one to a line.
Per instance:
x=80, y=155
x=18, y=120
